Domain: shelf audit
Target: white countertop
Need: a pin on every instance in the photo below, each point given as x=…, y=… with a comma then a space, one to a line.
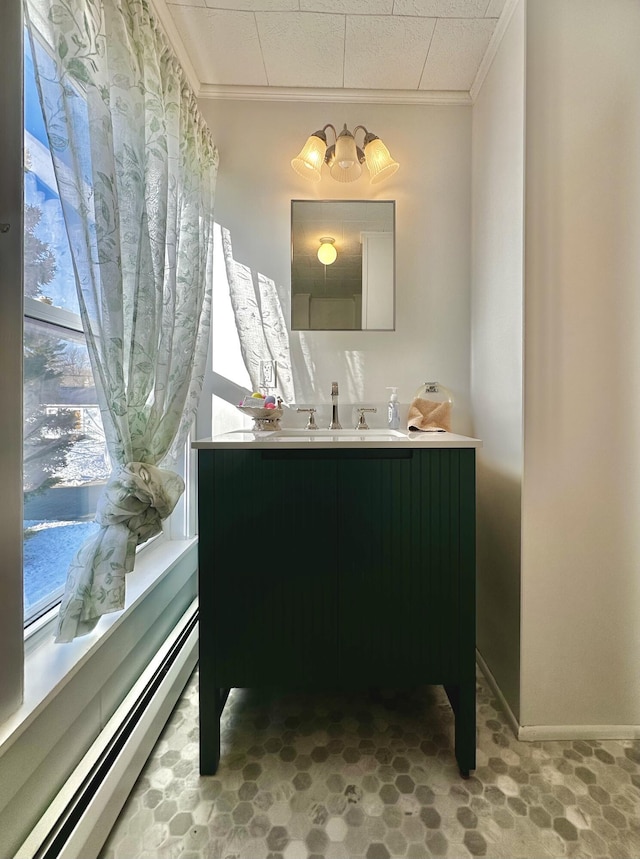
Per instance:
x=296, y=439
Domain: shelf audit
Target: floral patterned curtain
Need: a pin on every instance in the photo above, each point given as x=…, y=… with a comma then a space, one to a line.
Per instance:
x=136, y=170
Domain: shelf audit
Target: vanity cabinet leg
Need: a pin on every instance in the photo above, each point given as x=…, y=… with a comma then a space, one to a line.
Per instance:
x=465, y=731
x=210, y=712
x=462, y=698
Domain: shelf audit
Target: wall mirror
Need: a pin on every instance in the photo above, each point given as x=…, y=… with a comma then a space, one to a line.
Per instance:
x=342, y=265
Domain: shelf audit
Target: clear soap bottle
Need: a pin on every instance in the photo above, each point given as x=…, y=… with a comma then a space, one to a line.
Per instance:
x=393, y=419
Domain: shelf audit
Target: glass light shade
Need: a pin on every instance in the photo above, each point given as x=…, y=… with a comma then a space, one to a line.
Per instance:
x=379, y=161
x=344, y=165
x=326, y=252
x=309, y=162
x=346, y=154
x=349, y=175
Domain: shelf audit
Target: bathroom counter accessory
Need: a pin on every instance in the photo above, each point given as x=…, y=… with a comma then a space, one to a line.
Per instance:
x=263, y=419
x=375, y=580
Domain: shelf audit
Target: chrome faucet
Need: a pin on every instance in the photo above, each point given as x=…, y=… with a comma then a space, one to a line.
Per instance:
x=311, y=423
x=335, y=422
x=362, y=424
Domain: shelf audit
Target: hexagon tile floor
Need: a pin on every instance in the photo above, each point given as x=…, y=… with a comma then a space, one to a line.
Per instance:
x=372, y=776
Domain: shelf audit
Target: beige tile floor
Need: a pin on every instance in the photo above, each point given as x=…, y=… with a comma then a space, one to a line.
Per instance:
x=372, y=776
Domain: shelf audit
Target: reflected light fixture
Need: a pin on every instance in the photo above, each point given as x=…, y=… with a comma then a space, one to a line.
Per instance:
x=344, y=158
x=327, y=252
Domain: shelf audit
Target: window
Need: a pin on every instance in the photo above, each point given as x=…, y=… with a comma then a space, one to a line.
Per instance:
x=65, y=456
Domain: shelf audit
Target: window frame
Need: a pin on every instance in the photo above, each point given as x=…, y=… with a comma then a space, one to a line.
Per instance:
x=181, y=524
x=11, y=289
x=47, y=692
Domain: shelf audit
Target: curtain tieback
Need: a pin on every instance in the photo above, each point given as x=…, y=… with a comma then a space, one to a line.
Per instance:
x=130, y=511
x=139, y=496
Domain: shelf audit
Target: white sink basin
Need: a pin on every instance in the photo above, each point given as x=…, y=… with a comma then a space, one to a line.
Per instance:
x=324, y=436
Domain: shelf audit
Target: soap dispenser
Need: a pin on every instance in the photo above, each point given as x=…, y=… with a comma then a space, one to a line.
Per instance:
x=393, y=414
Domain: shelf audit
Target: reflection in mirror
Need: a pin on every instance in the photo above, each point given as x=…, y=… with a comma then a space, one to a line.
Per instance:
x=342, y=265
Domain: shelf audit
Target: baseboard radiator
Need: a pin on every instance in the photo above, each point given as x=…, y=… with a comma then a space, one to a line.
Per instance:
x=79, y=820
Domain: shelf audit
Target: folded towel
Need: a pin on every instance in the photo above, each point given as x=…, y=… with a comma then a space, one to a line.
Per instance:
x=428, y=416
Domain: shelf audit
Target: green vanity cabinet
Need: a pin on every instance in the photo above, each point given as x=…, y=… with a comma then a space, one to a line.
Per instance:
x=351, y=567
x=267, y=571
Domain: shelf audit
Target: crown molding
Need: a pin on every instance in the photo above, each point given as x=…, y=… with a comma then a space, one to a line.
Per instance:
x=492, y=50
x=308, y=94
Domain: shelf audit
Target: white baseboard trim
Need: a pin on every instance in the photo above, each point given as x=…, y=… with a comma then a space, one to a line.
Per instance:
x=532, y=733
x=529, y=733
x=493, y=685
x=108, y=797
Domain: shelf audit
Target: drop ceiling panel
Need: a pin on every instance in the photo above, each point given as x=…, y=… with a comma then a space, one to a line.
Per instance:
x=348, y=7
x=374, y=44
x=456, y=51
x=495, y=9
x=412, y=46
x=302, y=50
x=441, y=8
x=253, y=5
x=222, y=46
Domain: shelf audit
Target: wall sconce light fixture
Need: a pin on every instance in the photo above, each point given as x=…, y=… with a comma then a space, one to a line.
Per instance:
x=344, y=158
x=327, y=252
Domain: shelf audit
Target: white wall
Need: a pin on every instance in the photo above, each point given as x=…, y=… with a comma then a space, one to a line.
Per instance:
x=496, y=352
x=576, y=479
x=581, y=490
x=255, y=187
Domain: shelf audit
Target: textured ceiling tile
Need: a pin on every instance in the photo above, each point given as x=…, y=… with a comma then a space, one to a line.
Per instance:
x=348, y=7
x=302, y=49
x=457, y=48
x=441, y=8
x=386, y=53
x=494, y=9
x=253, y=5
x=223, y=46
x=185, y=3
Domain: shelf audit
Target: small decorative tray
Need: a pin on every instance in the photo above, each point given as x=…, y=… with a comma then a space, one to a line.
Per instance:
x=261, y=413
x=263, y=419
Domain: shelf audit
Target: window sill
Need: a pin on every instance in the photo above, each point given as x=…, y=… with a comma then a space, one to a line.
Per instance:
x=50, y=666
x=41, y=631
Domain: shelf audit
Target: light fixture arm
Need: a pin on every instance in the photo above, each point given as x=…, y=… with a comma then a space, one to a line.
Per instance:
x=368, y=135
x=321, y=132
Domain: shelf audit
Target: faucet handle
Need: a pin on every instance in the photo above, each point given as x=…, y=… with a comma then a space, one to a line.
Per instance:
x=362, y=424
x=311, y=423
